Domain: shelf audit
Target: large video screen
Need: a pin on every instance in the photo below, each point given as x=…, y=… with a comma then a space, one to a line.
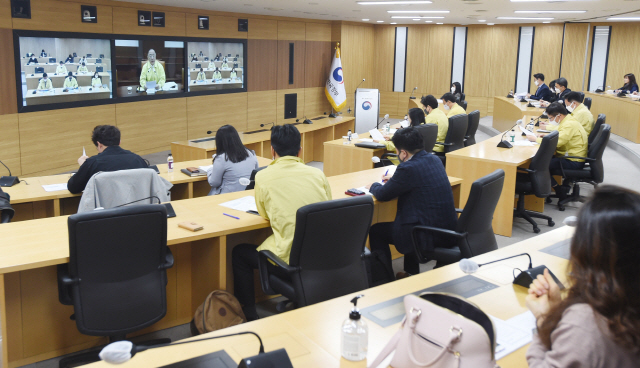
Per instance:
x=215, y=66
x=147, y=67
x=64, y=70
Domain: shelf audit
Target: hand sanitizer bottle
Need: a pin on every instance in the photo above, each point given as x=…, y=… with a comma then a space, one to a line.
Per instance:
x=355, y=334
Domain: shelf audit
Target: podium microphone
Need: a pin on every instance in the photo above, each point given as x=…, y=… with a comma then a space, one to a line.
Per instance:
x=360, y=84
x=411, y=97
x=383, y=119
x=506, y=144
x=8, y=181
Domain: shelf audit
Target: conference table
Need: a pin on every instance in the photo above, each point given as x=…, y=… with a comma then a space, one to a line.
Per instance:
x=35, y=326
x=71, y=67
x=506, y=111
x=623, y=113
x=193, y=73
x=57, y=81
x=211, y=85
x=218, y=64
x=123, y=91
x=313, y=137
x=58, y=95
x=311, y=335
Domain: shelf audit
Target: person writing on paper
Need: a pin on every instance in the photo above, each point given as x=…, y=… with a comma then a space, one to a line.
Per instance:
x=233, y=74
x=83, y=68
x=572, y=141
x=424, y=194
x=110, y=157
x=70, y=81
x=574, y=102
x=61, y=69
x=559, y=92
x=595, y=323
x=280, y=190
x=152, y=71
x=96, y=81
x=456, y=89
x=416, y=117
x=630, y=85
x=194, y=58
x=32, y=60
x=543, y=92
x=437, y=117
x=69, y=59
x=452, y=107
x=202, y=76
x=45, y=83
x=216, y=74
x=231, y=162
x=224, y=64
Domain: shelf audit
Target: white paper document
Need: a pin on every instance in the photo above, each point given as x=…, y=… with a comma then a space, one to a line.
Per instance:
x=55, y=187
x=393, y=131
x=376, y=135
x=366, y=140
x=524, y=143
x=404, y=123
x=243, y=204
x=205, y=168
x=513, y=333
x=525, y=131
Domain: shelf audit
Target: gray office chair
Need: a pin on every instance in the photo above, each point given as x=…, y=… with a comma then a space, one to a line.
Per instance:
x=602, y=119
x=323, y=264
x=252, y=178
x=6, y=211
x=429, y=134
x=473, y=234
x=587, y=102
x=472, y=128
x=536, y=180
x=463, y=104
x=454, y=139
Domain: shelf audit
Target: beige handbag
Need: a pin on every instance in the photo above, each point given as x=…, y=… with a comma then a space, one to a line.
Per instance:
x=441, y=331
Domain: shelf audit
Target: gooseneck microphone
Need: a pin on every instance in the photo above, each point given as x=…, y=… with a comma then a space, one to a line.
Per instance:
x=272, y=125
x=411, y=97
x=8, y=181
x=506, y=144
x=360, y=84
x=383, y=119
x=524, y=279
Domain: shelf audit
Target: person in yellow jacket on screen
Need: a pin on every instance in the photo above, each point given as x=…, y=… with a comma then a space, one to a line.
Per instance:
x=217, y=74
x=45, y=83
x=212, y=65
x=96, y=81
x=437, y=117
x=416, y=117
x=452, y=107
x=70, y=81
x=201, y=75
x=234, y=74
x=152, y=71
x=61, y=69
x=224, y=64
x=83, y=68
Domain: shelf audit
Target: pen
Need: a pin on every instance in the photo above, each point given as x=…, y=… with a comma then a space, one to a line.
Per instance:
x=385, y=174
x=226, y=214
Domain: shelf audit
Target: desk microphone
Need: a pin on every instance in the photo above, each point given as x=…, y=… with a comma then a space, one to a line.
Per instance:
x=377, y=160
x=537, y=120
x=383, y=119
x=8, y=181
x=506, y=144
x=411, y=97
x=272, y=125
x=245, y=181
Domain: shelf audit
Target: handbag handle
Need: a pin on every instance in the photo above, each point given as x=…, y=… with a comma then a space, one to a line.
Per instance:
x=454, y=336
x=391, y=346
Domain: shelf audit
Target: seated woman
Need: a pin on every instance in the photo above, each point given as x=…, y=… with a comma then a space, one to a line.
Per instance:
x=456, y=89
x=233, y=74
x=96, y=81
x=597, y=322
x=224, y=65
x=416, y=117
x=231, y=162
x=630, y=85
x=202, y=76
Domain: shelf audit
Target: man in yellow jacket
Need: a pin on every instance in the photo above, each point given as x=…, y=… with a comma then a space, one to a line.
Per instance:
x=61, y=69
x=572, y=141
x=438, y=117
x=83, y=68
x=281, y=189
x=202, y=76
x=70, y=81
x=450, y=104
x=574, y=102
x=45, y=83
x=152, y=71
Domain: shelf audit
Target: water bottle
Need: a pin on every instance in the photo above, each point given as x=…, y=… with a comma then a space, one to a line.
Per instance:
x=355, y=335
x=349, y=135
x=170, y=164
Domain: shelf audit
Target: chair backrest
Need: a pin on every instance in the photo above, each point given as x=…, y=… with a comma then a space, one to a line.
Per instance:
x=541, y=177
x=98, y=61
x=464, y=97
x=99, y=69
x=39, y=69
x=602, y=119
x=472, y=128
x=6, y=211
x=330, y=262
x=115, y=256
x=198, y=66
x=457, y=129
x=587, y=102
x=596, y=150
x=463, y=104
x=477, y=215
x=429, y=135
x=252, y=184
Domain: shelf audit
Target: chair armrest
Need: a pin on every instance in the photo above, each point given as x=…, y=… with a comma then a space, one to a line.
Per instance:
x=458, y=210
x=467, y=136
x=526, y=170
x=414, y=239
x=67, y=280
x=264, y=256
x=444, y=144
x=582, y=158
x=385, y=155
x=168, y=260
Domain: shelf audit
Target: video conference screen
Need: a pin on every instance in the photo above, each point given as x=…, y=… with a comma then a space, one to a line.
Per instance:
x=148, y=67
x=62, y=70
x=215, y=66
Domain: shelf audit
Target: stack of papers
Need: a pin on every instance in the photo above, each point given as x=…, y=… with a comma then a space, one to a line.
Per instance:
x=513, y=333
x=524, y=143
x=243, y=204
x=376, y=135
x=55, y=187
x=205, y=168
x=525, y=131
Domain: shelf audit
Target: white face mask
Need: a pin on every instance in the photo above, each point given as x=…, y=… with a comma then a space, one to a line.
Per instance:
x=453, y=89
x=553, y=121
x=45, y=80
x=558, y=90
x=571, y=108
x=446, y=107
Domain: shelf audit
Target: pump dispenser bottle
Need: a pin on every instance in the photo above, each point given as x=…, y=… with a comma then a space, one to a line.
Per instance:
x=355, y=334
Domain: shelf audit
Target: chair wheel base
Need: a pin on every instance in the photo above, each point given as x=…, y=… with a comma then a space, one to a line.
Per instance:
x=536, y=230
x=548, y=200
x=551, y=223
x=282, y=306
x=561, y=208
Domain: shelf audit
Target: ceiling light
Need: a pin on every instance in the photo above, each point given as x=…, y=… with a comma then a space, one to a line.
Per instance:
x=416, y=19
x=393, y=23
x=392, y=2
x=546, y=1
x=439, y=23
x=546, y=22
x=403, y=17
x=366, y=20
x=549, y=11
x=482, y=20
x=428, y=21
x=490, y=24
x=419, y=11
x=380, y=21
x=523, y=18
x=627, y=18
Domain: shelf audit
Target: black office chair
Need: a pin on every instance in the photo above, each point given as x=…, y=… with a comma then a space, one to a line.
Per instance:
x=454, y=139
x=252, y=178
x=6, y=211
x=463, y=104
x=536, y=180
x=472, y=128
x=39, y=70
x=198, y=66
x=587, y=102
x=474, y=233
x=593, y=171
x=602, y=119
x=98, y=61
x=116, y=280
x=323, y=264
x=429, y=134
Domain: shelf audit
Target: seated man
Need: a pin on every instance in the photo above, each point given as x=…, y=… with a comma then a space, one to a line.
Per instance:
x=110, y=157
x=543, y=92
x=70, y=81
x=45, y=83
x=574, y=102
x=450, y=104
x=224, y=64
x=216, y=74
x=43, y=54
x=61, y=69
x=152, y=71
x=69, y=59
x=558, y=90
x=32, y=60
x=201, y=75
x=281, y=189
x=233, y=74
x=424, y=198
x=572, y=141
x=83, y=68
x=437, y=117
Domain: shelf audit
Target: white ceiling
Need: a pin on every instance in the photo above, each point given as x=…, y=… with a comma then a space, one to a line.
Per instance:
x=461, y=11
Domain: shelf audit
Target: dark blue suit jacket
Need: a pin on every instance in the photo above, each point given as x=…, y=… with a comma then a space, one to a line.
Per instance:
x=543, y=93
x=424, y=198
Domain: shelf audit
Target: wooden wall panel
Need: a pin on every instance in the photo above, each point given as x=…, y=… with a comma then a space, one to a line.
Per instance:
x=418, y=50
x=219, y=27
x=318, y=32
x=291, y=30
x=67, y=132
x=504, y=60
x=263, y=29
x=211, y=112
x=438, y=63
x=5, y=14
x=357, y=55
x=389, y=104
x=280, y=105
x=317, y=63
x=151, y=126
x=623, y=57
x=575, y=39
x=478, y=66
x=8, y=98
x=298, y=64
x=547, y=49
x=385, y=41
x=315, y=102
x=10, y=144
x=261, y=109
x=262, y=65
x=125, y=21
x=63, y=16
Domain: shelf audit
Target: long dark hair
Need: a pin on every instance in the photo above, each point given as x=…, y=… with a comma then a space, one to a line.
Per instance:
x=458, y=87
x=604, y=270
x=632, y=81
x=228, y=142
x=417, y=116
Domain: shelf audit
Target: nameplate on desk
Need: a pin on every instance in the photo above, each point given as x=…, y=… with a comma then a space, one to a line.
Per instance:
x=391, y=312
x=204, y=140
x=320, y=118
x=560, y=249
x=219, y=359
